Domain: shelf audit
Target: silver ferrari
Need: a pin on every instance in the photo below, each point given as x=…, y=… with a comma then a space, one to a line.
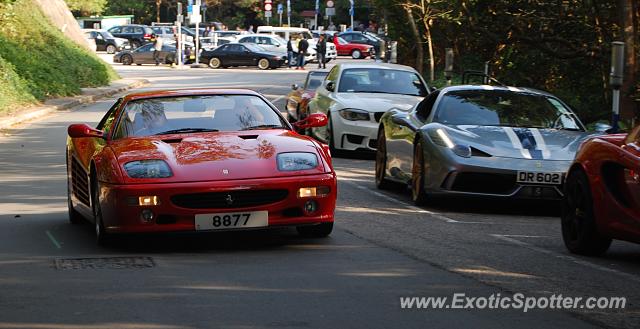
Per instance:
x=479, y=140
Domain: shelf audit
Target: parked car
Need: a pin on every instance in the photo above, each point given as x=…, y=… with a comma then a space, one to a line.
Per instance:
x=362, y=38
x=355, y=50
x=105, y=41
x=298, y=99
x=482, y=141
x=602, y=194
x=197, y=161
x=297, y=33
x=236, y=54
x=272, y=43
x=137, y=35
x=144, y=55
x=355, y=96
x=167, y=32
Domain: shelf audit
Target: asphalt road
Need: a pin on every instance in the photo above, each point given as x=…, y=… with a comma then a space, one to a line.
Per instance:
x=53, y=275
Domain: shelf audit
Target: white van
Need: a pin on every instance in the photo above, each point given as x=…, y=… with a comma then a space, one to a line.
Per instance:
x=298, y=33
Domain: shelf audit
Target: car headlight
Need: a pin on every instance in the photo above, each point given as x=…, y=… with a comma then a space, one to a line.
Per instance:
x=440, y=137
x=293, y=161
x=354, y=115
x=148, y=169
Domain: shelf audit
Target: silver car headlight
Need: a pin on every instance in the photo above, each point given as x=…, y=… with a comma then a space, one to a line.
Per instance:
x=293, y=161
x=354, y=115
x=148, y=169
x=440, y=137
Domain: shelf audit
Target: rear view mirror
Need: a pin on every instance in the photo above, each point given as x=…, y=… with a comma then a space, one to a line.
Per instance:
x=83, y=130
x=313, y=121
x=330, y=86
x=295, y=86
x=602, y=127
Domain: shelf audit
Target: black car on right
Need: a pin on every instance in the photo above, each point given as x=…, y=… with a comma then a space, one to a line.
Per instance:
x=137, y=35
x=246, y=54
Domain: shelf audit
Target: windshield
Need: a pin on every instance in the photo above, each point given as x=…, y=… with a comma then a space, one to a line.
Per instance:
x=504, y=108
x=315, y=80
x=196, y=113
x=342, y=41
x=373, y=80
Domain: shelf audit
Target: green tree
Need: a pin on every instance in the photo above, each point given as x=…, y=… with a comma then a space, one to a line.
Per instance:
x=87, y=7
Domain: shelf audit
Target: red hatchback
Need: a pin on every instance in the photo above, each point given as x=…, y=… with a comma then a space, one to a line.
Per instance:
x=602, y=194
x=198, y=160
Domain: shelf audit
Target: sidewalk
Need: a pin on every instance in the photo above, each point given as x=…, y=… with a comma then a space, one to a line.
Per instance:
x=88, y=95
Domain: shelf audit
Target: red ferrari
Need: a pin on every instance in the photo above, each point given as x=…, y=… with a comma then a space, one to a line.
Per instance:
x=602, y=194
x=199, y=160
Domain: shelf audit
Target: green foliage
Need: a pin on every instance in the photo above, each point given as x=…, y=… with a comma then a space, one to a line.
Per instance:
x=87, y=6
x=37, y=61
x=559, y=46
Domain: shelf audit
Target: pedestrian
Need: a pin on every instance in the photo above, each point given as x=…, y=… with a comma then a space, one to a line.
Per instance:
x=303, y=46
x=157, y=48
x=290, y=52
x=321, y=50
x=331, y=27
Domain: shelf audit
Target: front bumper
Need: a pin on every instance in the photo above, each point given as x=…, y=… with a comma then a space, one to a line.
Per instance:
x=355, y=135
x=490, y=176
x=120, y=215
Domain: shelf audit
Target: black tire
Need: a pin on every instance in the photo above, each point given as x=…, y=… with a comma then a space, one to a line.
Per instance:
x=102, y=237
x=264, y=64
x=381, y=163
x=579, y=229
x=315, y=231
x=330, y=137
x=215, y=63
x=356, y=54
x=111, y=49
x=418, y=194
x=126, y=59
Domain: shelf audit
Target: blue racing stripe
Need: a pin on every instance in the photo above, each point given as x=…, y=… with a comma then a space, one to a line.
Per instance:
x=528, y=142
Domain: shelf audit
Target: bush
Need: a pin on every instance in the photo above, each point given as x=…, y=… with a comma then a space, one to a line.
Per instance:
x=37, y=61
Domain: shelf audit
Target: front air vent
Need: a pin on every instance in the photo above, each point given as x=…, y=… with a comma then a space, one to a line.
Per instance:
x=245, y=137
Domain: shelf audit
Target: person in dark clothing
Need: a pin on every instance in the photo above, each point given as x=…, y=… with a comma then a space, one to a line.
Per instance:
x=157, y=48
x=290, y=52
x=321, y=50
x=303, y=46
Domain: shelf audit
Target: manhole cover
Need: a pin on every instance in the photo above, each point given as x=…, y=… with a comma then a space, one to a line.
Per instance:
x=115, y=263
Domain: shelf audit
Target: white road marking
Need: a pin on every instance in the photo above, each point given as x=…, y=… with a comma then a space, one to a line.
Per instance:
x=574, y=260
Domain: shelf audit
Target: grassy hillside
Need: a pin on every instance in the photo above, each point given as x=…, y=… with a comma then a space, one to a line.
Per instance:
x=37, y=61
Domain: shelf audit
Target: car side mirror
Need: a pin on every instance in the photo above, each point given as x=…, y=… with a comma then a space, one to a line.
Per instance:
x=330, y=86
x=602, y=128
x=82, y=130
x=312, y=121
x=295, y=86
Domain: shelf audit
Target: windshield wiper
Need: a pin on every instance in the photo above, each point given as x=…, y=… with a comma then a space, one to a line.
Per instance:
x=187, y=130
x=262, y=127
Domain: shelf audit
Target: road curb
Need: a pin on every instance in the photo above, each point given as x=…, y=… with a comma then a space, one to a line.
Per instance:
x=88, y=95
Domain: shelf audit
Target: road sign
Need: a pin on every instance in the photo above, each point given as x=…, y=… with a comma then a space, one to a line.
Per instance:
x=268, y=14
x=280, y=9
x=330, y=11
x=330, y=4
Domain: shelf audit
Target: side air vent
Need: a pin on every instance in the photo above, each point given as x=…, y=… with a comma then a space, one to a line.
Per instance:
x=80, y=182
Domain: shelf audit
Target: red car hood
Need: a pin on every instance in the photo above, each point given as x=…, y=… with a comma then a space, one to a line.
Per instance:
x=217, y=156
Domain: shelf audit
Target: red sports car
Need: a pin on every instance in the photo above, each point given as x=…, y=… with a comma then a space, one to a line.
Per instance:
x=354, y=50
x=602, y=194
x=198, y=160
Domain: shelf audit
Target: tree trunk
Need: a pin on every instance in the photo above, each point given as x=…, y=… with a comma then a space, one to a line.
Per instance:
x=629, y=32
x=158, y=3
x=416, y=35
x=432, y=61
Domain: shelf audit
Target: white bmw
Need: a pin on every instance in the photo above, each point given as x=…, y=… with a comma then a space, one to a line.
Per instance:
x=355, y=96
